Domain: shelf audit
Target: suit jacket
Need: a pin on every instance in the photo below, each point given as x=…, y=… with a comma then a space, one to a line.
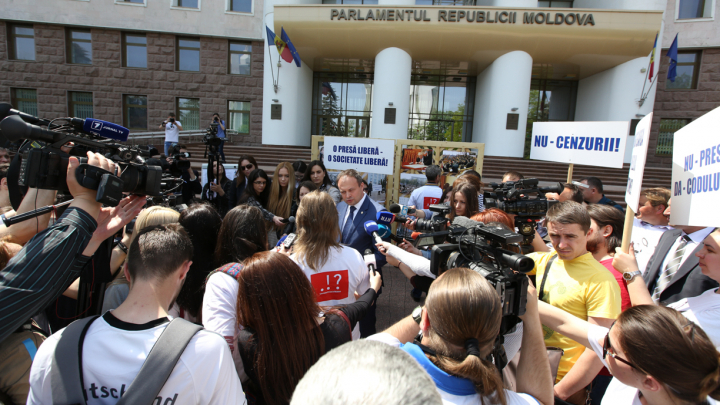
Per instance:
x=360, y=240
x=688, y=281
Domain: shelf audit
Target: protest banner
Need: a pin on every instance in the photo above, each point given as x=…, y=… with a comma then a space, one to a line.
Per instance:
x=635, y=176
x=589, y=143
x=362, y=154
x=696, y=172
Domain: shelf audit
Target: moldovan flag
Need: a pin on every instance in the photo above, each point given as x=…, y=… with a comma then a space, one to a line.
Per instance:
x=652, y=59
x=282, y=48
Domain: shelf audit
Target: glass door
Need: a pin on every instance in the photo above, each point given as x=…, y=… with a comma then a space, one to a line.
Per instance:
x=357, y=127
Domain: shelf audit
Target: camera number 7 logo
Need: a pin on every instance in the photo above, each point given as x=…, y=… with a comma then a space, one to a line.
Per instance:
x=331, y=285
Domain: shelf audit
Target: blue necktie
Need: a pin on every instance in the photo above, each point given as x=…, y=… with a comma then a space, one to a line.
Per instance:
x=348, y=228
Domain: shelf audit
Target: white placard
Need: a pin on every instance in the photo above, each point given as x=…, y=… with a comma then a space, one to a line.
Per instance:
x=637, y=162
x=230, y=171
x=362, y=154
x=696, y=172
x=600, y=143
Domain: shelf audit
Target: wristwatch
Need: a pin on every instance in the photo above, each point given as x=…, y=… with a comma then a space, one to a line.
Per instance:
x=417, y=314
x=631, y=275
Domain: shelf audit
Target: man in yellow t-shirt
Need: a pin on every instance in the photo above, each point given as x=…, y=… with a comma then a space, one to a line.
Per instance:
x=577, y=284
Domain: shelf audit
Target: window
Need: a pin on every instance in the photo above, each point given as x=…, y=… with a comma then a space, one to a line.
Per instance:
x=239, y=116
x=342, y=104
x=135, y=112
x=188, y=54
x=188, y=113
x=187, y=3
x=355, y=2
x=689, y=9
x=440, y=2
x=134, y=50
x=668, y=126
x=79, y=47
x=240, y=58
x=557, y=4
x=25, y=100
x=130, y=2
x=688, y=66
x=21, y=42
x=441, y=107
x=240, y=6
x=81, y=104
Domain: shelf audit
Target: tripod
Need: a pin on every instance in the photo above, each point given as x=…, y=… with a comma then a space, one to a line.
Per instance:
x=211, y=152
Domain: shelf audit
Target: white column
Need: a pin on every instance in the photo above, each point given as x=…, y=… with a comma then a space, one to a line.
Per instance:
x=391, y=85
x=503, y=88
x=294, y=91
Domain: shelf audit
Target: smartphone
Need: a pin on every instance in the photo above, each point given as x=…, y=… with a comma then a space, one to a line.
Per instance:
x=287, y=244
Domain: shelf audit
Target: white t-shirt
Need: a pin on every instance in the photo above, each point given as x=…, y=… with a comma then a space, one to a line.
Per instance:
x=338, y=279
x=172, y=132
x=617, y=393
x=114, y=351
x=219, y=313
x=464, y=394
x=424, y=196
x=645, y=238
x=704, y=311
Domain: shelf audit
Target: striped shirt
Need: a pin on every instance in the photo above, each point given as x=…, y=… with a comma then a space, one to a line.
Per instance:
x=44, y=269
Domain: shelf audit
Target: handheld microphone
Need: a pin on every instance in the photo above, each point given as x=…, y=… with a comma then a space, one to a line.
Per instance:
x=288, y=220
x=371, y=227
x=385, y=218
x=385, y=232
x=7, y=109
x=370, y=260
x=403, y=210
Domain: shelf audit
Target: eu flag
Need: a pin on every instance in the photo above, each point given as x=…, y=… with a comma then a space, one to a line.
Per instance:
x=672, y=54
x=290, y=46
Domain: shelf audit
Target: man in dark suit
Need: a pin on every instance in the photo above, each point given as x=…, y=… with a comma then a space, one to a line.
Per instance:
x=353, y=211
x=673, y=272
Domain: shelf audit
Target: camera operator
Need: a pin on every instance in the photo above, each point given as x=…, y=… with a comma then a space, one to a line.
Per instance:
x=52, y=259
x=172, y=131
x=180, y=167
x=458, y=326
x=220, y=134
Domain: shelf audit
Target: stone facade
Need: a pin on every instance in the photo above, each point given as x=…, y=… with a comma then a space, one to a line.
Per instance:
x=688, y=104
x=53, y=77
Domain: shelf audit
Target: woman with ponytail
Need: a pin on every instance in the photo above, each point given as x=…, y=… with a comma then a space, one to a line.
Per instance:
x=656, y=355
x=242, y=234
x=458, y=326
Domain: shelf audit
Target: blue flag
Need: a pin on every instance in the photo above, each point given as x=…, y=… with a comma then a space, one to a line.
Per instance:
x=672, y=54
x=290, y=46
x=271, y=36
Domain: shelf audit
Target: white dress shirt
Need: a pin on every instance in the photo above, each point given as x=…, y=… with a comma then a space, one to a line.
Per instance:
x=696, y=238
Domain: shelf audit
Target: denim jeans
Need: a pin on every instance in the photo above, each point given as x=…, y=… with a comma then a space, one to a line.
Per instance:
x=220, y=149
x=168, y=145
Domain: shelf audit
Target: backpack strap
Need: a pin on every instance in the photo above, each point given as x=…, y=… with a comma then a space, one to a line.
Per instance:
x=66, y=376
x=549, y=263
x=231, y=269
x=160, y=362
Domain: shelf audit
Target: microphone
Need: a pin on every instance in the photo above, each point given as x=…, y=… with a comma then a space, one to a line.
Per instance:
x=288, y=220
x=370, y=260
x=385, y=232
x=101, y=128
x=371, y=227
x=385, y=218
x=6, y=109
x=14, y=128
x=403, y=210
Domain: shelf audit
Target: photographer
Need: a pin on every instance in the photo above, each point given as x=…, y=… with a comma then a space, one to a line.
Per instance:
x=220, y=133
x=49, y=263
x=172, y=131
x=180, y=167
x=458, y=326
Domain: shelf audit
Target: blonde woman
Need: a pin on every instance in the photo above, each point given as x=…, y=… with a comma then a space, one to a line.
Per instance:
x=118, y=290
x=336, y=272
x=281, y=194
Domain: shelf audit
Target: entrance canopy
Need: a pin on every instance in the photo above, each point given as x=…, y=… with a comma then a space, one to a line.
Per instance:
x=577, y=42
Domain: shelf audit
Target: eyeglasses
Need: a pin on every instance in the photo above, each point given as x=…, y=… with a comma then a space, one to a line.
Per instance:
x=260, y=183
x=248, y=167
x=607, y=349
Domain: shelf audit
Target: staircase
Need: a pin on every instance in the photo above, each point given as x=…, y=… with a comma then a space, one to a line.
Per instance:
x=614, y=180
